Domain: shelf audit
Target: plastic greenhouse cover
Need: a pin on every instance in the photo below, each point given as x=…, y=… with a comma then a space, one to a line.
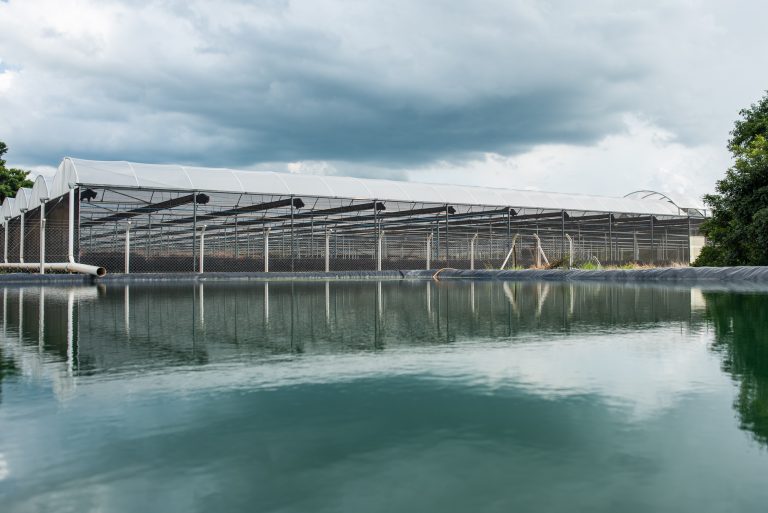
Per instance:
x=75, y=172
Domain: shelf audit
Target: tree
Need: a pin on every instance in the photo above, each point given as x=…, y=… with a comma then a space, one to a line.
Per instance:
x=11, y=180
x=737, y=232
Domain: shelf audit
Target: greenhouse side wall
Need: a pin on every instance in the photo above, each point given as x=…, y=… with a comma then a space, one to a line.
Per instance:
x=165, y=231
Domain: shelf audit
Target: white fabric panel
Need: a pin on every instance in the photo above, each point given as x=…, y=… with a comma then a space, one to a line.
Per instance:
x=307, y=185
x=23, y=196
x=394, y=191
x=344, y=187
x=41, y=190
x=8, y=209
x=210, y=179
x=269, y=183
x=488, y=196
x=93, y=172
x=123, y=174
x=161, y=177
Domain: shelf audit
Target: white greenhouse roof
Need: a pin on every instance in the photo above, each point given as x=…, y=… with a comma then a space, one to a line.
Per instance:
x=76, y=172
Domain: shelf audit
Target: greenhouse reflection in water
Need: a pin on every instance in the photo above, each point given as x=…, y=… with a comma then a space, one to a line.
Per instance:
x=234, y=394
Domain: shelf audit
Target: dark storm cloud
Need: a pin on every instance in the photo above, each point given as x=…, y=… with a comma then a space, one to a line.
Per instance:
x=399, y=84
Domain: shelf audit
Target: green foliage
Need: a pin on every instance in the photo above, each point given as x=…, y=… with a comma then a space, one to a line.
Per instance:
x=740, y=337
x=11, y=180
x=737, y=232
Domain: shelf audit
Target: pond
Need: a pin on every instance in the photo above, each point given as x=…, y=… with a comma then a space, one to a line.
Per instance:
x=383, y=396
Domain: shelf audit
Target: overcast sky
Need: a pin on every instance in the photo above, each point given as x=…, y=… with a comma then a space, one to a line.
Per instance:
x=591, y=96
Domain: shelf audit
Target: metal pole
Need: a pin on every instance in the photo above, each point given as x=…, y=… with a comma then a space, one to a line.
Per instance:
x=562, y=234
x=429, y=250
x=472, y=252
x=378, y=236
x=327, y=250
x=21, y=238
x=570, y=250
x=202, y=249
x=378, y=250
x=42, y=241
x=266, y=249
x=128, y=248
x=71, y=227
x=653, y=257
x=194, y=231
x=610, y=237
x=447, y=256
x=292, y=233
x=5, y=245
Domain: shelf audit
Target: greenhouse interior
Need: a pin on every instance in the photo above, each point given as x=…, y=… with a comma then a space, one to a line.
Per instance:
x=148, y=218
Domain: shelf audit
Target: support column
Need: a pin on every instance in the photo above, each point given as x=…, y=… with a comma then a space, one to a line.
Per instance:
x=5, y=244
x=71, y=227
x=562, y=234
x=472, y=252
x=128, y=248
x=327, y=250
x=653, y=244
x=42, y=244
x=266, y=249
x=42, y=236
x=202, y=248
x=635, y=247
x=194, y=231
x=610, y=237
x=447, y=255
x=378, y=250
x=21, y=237
x=292, y=239
x=429, y=251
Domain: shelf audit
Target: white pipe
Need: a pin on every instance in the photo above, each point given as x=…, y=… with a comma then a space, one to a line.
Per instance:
x=511, y=249
x=378, y=250
x=70, y=267
x=5, y=247
x=429, y=253
x=266, y=250
x=327, y=251
x=71, y=230
x=42, y=243
x=21, y=239
x=202, y=248
x=127, y=265
x=472, y=255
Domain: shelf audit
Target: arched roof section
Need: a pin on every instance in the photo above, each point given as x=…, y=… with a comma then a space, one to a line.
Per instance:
x=75, y=172
x=684, y=203
x=41, y=190
x=23, y=196
x=8, y=210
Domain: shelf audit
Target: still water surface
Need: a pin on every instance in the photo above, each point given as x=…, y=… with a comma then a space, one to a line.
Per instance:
x=394, y=396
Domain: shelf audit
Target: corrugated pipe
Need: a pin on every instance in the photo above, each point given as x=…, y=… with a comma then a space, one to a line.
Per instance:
x=70, y=267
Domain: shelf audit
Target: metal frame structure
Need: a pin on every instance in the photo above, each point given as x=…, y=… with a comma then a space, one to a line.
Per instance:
x=130, y=217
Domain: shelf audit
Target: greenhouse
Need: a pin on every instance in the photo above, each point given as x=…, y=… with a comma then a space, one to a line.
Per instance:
x=148, y=218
